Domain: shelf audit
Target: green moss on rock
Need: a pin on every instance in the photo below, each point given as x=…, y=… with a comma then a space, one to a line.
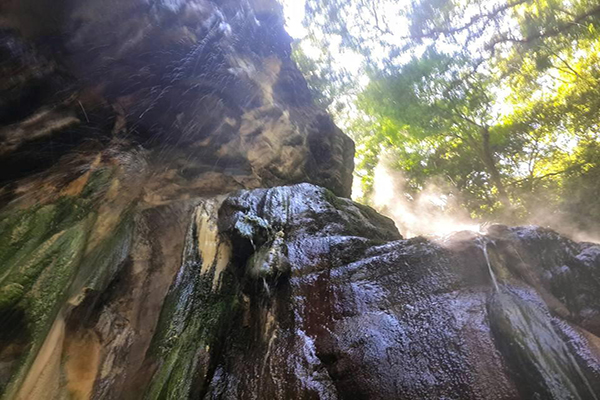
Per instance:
x=190, y=325
x=102, y=264
x=41, y=250
x=98, y=182
x=38, y=286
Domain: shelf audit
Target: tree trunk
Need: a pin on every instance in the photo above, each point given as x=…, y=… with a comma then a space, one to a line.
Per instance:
x=487, y=156
x=133, y=266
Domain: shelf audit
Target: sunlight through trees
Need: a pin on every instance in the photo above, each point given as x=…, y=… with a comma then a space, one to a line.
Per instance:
x=498, y=99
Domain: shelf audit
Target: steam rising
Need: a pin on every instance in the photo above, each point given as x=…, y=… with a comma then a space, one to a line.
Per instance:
x=433, y=213
x=426, y=214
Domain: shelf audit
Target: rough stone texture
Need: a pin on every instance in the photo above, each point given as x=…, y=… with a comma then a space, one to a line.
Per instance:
x=363, y=315
x=206, y=89
x=133, y=267
x=116, y=119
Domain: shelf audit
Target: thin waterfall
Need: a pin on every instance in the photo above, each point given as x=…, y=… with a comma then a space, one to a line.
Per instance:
x=489, y=264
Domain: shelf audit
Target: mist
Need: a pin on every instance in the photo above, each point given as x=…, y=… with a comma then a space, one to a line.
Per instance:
x=432, y=212
x=428, y=213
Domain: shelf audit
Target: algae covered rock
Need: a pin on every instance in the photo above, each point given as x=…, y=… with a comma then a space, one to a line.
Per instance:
x=291, y=292
x=171, y=228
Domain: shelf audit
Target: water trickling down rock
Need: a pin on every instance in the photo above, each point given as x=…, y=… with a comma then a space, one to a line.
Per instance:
x=148, y=249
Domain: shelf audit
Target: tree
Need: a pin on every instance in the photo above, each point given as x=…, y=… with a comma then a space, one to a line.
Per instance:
x=500, y=98
x=436, y=99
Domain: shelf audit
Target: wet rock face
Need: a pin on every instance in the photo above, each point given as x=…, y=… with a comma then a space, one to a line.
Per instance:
x=148, y=251
x=289, y=292
x=362, y=314
x=206, y=90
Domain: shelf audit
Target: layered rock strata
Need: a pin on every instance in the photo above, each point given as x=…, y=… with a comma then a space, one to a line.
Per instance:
x=174, y=224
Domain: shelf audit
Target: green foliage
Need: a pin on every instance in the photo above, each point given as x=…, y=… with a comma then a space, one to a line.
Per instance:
x=318, y=74
x=499, y=99
x=329, y=83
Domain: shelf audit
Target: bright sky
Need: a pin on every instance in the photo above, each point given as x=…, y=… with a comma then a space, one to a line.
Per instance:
x=294, y=14
x=350, y=61
x=294, y=11
x=393, y=19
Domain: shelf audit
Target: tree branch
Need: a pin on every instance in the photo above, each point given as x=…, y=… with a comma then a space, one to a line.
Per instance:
x=571, y=168
x=435, y=33
x=547, y=34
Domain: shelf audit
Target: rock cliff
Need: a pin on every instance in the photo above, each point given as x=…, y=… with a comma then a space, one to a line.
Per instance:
x=174, y=224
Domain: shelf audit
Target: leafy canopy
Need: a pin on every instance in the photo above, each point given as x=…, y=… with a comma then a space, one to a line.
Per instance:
x=500, y=99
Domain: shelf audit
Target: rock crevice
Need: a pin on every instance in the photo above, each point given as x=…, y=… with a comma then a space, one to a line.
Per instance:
x=175, y=223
